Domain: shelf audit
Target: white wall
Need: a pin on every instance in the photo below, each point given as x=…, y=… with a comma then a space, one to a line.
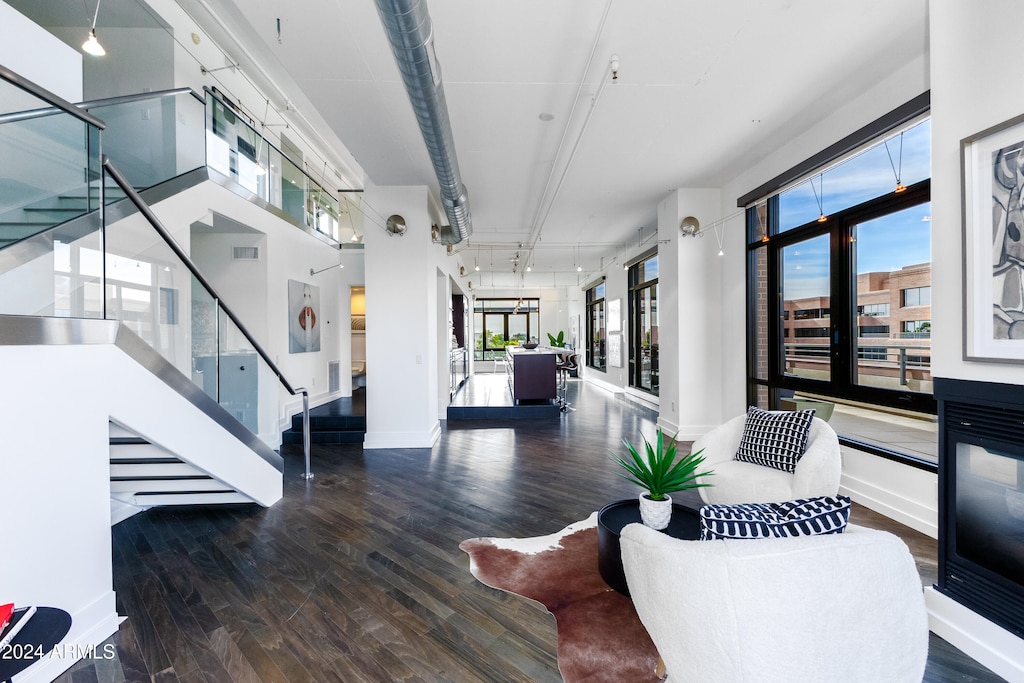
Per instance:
x=57, y=554
x=969, y=94
x=690, y=315
x=401, y=322
x=31, y=51
x=137, y=59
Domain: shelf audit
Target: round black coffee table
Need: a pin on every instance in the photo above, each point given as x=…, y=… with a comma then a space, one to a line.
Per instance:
x=41, y=633
x=685, y=524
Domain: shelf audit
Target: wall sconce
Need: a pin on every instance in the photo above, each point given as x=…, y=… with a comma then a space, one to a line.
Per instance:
x=314, y=272
x=689, y=227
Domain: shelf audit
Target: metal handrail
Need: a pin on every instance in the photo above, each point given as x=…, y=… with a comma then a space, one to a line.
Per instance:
x=54, y=99
x=144, y=209
x=103, y=102
x=148, y=214
x=137, y=97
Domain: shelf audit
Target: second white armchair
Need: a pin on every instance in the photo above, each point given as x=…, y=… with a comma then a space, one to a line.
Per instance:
x=816, y=474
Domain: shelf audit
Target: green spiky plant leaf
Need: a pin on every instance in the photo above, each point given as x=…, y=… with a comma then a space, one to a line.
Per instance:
x=558, y=341
x=658, y=471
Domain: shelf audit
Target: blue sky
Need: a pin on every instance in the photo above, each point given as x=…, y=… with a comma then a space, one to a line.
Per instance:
x=884, y=244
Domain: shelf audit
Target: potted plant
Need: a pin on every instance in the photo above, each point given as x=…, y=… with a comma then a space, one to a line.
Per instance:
x=659, y=473
x=559, y=341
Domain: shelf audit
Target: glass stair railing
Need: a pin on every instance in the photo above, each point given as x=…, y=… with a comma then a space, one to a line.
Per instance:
x=132, y=271
x=48, y=153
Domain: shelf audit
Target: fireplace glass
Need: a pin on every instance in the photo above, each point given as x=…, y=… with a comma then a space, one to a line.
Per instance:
x=990, y=510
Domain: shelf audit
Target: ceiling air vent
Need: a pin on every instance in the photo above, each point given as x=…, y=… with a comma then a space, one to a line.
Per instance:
x=245, y=253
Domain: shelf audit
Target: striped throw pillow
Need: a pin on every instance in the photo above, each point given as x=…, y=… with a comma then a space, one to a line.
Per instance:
x=775, y=439
x=803, y=517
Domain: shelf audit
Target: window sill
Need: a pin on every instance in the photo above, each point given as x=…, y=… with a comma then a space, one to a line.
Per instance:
x=889, y=454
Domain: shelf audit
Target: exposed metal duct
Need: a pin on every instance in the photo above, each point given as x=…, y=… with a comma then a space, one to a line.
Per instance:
x=407, y=25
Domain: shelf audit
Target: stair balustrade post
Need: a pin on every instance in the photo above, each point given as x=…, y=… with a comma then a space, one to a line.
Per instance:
x=307, y=475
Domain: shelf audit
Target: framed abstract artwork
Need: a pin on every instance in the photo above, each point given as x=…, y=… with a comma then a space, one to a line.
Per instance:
x=303, y=308
x=992, y=164
x=615, y=350
x=614, y=315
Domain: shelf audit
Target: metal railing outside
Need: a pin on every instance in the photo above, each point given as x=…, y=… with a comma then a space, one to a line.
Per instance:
x=900, y=358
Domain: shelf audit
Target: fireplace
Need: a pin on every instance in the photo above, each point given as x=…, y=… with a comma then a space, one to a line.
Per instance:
x=981, y=498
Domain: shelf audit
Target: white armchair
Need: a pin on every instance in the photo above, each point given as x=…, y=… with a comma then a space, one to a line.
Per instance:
x=817, y=472
x=840, y=607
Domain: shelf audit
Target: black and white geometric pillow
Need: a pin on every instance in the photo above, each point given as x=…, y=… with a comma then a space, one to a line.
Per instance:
x=775, y=439
x=804, y=517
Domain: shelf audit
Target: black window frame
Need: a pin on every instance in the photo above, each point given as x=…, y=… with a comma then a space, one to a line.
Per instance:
x=530, y=305
x=636, y=286
x=597, y=357
x=843, y=318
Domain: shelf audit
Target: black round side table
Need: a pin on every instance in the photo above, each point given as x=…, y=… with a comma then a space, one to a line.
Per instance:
x=41, y=633
x=613, y=517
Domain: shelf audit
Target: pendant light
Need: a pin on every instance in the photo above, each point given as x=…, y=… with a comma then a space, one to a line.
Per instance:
x=821, y=183
x=91, y=45
x=897, y=170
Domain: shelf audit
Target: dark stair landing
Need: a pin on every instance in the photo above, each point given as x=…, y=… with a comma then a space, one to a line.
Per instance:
x=343, y=420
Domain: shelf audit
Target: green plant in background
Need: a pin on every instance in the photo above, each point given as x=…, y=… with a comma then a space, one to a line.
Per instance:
x=658, y=471
x=558, y=341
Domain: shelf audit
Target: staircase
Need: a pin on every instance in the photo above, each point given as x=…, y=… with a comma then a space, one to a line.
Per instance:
x=340, y=421
x=143, y=475
x=43, y=214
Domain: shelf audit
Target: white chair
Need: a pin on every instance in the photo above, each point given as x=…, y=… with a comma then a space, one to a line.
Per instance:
x=840, y=607
x=817, y=472
x=499, y=361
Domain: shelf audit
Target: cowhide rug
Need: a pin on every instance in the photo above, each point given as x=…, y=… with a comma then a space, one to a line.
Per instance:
x=600, y=637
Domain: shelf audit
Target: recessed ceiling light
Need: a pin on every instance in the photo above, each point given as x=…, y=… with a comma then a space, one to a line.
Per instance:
x=545, y=116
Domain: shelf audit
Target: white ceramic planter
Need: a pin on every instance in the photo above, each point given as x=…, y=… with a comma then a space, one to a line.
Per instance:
x=655, y=513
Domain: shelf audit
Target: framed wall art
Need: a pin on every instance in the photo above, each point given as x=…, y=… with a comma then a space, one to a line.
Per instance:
x=614, y=315
x=993, y=217
x=615, y=350
x=303, y=326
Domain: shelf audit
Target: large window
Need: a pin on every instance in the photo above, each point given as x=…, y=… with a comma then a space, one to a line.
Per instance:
x=643, y=324
x=595, y=327
x=839, y=290
x=503, y=322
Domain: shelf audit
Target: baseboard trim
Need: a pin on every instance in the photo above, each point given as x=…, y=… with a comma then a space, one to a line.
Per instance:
x=908, y=513
x=90, y=626
x=979, y=638
x=643, y=398
x=607, y=386
x=377, y=440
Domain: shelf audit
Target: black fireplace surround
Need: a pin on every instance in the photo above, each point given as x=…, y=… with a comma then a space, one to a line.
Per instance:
x=981, y=498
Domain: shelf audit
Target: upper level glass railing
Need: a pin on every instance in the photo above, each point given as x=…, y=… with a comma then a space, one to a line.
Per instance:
x=237, y=150
x=152, y=137
x=50, y=160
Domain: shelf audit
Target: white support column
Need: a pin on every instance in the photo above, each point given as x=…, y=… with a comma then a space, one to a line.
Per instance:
x=401, y=324
x=690, y=316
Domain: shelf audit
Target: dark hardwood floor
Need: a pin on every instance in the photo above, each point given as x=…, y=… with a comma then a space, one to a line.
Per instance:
x=357, y=575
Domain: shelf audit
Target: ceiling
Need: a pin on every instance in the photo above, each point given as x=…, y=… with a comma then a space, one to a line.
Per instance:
x=555, y=155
